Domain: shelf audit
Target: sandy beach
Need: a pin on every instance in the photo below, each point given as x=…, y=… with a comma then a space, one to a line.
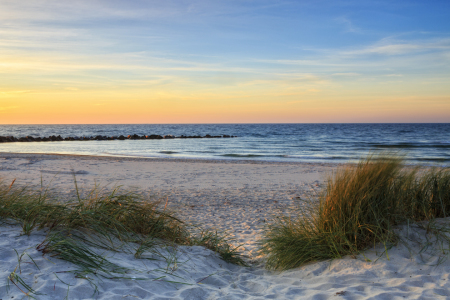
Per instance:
x=238, y=197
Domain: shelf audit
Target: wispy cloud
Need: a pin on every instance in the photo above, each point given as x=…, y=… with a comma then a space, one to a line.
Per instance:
x=394, y=75
x=346, y=74
x=325, y=61
x=390, y=47
x=50, y=10
x=149, y=10
x=10, y=93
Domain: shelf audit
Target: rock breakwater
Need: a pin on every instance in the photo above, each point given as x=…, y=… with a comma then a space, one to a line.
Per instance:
x=54, y=138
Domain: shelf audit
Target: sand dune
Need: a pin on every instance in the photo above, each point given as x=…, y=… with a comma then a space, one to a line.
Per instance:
x=236, y=196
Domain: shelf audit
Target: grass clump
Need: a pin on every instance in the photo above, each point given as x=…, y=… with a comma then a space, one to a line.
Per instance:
x=114, y=216
x=356, y=210
x=108, y=214
x=112, y=221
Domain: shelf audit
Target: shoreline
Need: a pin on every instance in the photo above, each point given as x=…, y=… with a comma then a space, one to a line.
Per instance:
x=163, y=159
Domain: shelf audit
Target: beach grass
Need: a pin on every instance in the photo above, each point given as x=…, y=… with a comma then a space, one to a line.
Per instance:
x=114, y=220
x=356, y=210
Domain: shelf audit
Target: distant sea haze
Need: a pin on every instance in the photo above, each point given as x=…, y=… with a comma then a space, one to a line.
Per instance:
x=427, y=144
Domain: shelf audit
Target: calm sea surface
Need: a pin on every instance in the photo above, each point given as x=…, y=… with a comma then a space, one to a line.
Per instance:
x=421, y=143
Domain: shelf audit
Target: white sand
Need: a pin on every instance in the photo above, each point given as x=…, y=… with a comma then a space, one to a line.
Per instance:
x=236, y=196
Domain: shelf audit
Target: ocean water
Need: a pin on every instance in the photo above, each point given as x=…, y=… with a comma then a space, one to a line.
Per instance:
x=421, y=143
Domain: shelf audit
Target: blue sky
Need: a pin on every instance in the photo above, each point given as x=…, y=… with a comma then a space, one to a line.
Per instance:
x=229, y=55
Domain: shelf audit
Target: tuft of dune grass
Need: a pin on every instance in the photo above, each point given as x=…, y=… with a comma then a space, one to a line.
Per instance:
x=112, y=220
x=113, y=213
x=356, y=210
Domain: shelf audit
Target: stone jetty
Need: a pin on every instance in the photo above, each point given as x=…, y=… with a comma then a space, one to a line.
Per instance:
x=54, y=138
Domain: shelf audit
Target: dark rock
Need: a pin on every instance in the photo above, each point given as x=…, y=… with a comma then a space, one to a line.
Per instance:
x=121, y=138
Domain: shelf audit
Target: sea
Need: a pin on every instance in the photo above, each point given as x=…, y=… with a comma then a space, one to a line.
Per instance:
x=424, y=144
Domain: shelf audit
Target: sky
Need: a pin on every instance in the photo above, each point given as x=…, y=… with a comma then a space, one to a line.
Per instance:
x=207, y=61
